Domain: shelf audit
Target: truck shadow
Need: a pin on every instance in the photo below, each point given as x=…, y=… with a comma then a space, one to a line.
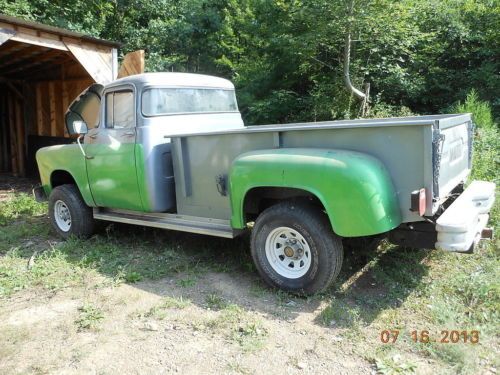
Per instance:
x=373, y=282
x=373, y=279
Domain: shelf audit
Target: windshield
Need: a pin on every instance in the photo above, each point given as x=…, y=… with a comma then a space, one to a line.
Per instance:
x=165, y=101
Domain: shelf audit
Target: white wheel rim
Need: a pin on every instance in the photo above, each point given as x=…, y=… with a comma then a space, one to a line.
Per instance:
x=62, y=216
x=288, y=252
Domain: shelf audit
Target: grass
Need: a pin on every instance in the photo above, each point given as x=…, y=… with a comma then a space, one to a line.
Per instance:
x=215, y=301
x=115, y=256
x=238, y=326
x=394, y=365
x=390, y=288
x=160, y=311
x=21, y=205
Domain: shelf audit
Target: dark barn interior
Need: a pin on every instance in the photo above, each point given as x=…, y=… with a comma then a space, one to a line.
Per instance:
x=42, y=70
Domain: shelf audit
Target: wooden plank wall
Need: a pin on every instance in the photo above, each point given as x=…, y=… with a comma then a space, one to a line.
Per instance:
x=52, y=99
x=12, y=133
x=37, y=110
x=133, y=63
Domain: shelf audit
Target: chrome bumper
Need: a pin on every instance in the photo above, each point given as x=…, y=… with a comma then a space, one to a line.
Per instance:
x=463, y=224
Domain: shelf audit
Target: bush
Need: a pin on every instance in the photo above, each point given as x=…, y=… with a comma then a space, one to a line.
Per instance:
x=481, y=110
x=379, y=109
x=485, y=162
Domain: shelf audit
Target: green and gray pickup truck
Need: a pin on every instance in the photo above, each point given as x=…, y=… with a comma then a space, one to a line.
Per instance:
x=170, y=150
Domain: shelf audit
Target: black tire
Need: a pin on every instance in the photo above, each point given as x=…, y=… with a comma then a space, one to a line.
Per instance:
x=313, y=225
x=82, y=222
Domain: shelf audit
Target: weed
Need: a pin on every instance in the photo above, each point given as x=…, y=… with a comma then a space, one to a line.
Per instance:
x=228, y=316
x=160, y=311
x=175, y=303
x=238, y=368
x=340, y=314
x=462, y=358
x=133, y=277
x=250, y=336
x=89, y=318
x=258, y=290
x=394, y=365
x=187, y=282
x=215, y=301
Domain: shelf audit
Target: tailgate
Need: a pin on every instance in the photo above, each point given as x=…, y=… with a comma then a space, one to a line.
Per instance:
x=452, y=152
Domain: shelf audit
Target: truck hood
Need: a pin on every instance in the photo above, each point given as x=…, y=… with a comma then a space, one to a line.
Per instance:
x=85, y=108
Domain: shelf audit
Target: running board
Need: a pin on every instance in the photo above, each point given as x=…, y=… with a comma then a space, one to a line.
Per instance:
x=183, y=223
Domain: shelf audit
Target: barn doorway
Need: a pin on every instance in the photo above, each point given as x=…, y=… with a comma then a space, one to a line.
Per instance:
x=42, y=70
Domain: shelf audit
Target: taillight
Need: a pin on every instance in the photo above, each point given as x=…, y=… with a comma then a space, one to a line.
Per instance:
x=418, y=201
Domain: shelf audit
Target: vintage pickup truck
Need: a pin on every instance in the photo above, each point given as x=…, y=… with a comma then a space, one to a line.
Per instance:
x=170, y=150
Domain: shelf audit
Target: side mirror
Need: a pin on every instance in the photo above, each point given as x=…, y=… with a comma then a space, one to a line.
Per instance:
x=80, y=127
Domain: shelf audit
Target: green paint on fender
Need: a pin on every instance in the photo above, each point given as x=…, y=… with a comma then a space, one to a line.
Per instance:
x=355, y=188
x=67, y=158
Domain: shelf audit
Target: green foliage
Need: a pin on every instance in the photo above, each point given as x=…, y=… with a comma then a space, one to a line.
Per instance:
x=486, y=158
x=20, y=204
x=286, y=56
x=89, y=318
x=394, y=365
x=481, y=110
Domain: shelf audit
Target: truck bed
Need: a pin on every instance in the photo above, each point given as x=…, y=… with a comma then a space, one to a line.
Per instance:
x=431, y=152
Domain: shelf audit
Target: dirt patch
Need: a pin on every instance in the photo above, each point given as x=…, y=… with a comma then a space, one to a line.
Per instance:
x=130, y=340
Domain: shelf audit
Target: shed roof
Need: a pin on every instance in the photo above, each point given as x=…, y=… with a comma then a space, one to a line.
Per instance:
x=56, y=30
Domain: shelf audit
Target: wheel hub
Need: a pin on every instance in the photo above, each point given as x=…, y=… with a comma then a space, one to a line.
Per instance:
x=288, y=252
x=293, y=249
x=62, y=216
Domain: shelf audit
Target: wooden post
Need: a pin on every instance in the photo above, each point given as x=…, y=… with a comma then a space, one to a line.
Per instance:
x=12, y=133
x=39, y=109
x=52, y=104
x=65, y=103
x=20, y=137
x=4, y=136
x=60, y=126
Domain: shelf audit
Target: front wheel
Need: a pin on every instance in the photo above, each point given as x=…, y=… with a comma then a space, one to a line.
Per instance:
x=295, y=249
x=69, y=214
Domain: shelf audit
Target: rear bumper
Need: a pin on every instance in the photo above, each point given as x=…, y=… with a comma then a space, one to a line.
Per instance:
x=461, y=226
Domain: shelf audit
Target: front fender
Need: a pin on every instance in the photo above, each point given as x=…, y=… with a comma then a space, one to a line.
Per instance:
x=355, y=188
x=66, y=158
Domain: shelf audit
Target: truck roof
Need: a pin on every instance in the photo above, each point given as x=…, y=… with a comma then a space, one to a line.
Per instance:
x=176, y=79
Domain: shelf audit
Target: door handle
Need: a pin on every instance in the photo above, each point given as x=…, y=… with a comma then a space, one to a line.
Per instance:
x=128, y=134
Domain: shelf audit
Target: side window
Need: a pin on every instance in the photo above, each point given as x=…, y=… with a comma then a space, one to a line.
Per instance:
x=120, y=109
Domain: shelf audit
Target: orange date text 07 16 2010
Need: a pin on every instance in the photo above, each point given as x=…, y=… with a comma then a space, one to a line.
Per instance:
x=445, y=336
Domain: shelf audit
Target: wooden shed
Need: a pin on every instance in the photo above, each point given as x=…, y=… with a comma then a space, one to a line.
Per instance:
x=42, y=69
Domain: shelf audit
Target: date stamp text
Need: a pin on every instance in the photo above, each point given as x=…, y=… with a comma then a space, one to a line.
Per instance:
x=445, y=336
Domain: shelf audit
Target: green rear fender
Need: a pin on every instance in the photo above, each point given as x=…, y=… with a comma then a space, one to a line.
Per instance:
x=66, y=158
x=355, y=189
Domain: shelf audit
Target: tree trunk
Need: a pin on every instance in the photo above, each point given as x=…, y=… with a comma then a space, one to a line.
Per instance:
x=362, y=96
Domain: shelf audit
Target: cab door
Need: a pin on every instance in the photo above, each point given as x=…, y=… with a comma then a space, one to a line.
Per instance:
x=110, y=148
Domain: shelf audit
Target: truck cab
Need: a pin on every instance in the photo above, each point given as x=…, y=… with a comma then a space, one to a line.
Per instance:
x=130, y=123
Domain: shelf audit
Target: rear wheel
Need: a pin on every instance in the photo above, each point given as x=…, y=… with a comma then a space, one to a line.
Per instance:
x=69, y=214
x=295, y=249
